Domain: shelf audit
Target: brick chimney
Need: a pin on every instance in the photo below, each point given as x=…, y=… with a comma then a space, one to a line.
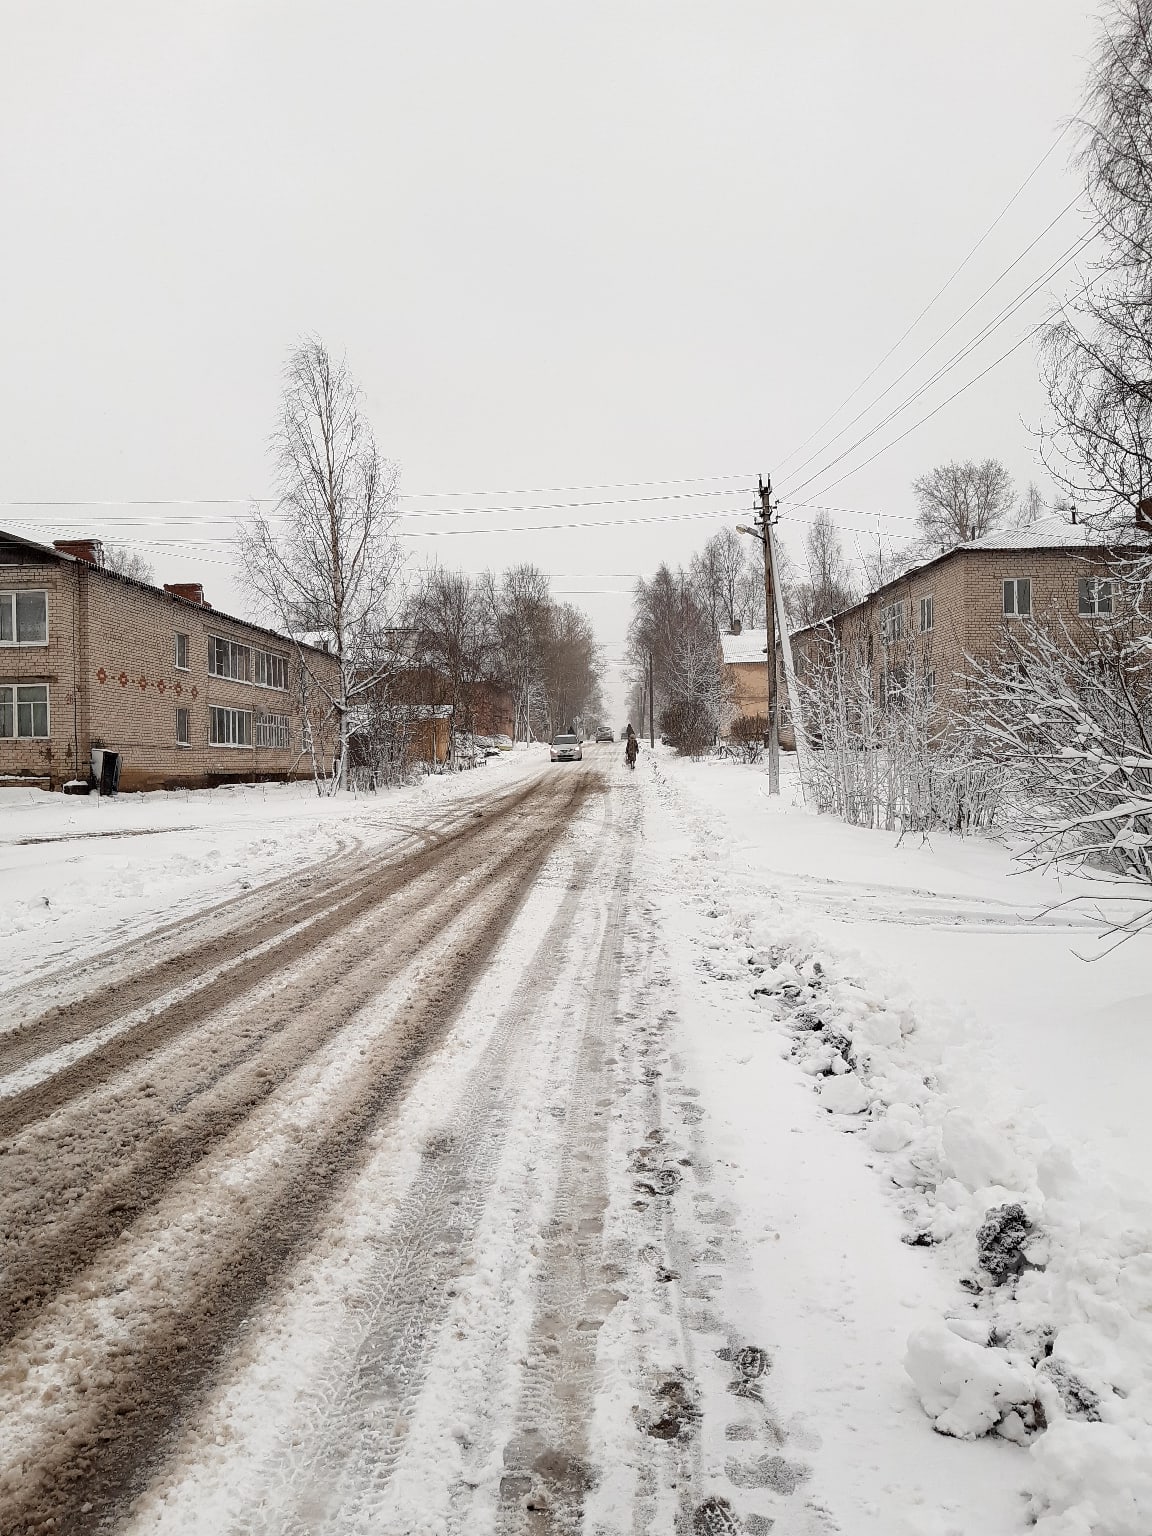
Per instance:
x=190, y=591
x=91, y=551
x=737, y=626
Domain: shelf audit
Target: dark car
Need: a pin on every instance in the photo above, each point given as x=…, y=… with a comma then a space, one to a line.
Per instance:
x=604, y=734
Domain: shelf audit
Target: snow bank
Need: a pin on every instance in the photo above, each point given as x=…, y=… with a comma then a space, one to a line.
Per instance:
x=1050, y=1344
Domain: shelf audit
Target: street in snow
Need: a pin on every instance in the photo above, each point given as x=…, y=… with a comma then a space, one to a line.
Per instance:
x=546, y=1212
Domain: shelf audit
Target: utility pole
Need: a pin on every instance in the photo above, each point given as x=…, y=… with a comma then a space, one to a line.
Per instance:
x=775, y=618
x=764, y=529
x=651, y=709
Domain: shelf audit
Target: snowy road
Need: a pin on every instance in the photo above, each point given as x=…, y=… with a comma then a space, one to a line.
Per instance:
x=485, y=1172
x=350, y=1205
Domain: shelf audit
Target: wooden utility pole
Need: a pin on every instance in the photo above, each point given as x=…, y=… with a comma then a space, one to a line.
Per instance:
x=651, y=709
x=764, y=529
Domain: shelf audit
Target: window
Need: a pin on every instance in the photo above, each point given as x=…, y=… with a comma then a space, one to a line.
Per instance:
x=892, y=623
x=230, y=727
x=180, y=652
x=183, y=727
x=1094, y=597
x=23, y=618
x=927, y=614
x=869, y=647
x=930, y=684
x=228, y=658
x=1018, y=597
x=273, y=731
x=271, y=670
x=24, y=709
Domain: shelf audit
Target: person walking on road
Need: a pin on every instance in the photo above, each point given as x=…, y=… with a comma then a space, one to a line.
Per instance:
x=632, y=750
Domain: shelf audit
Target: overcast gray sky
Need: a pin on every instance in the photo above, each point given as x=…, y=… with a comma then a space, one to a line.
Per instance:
x=561, y=246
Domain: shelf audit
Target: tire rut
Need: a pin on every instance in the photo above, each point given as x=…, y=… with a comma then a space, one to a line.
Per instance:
x=253, y=920
x=547, y=1471
x=239, y=962
x=151, y=1136
x=354, y=1423
x=80, y=1480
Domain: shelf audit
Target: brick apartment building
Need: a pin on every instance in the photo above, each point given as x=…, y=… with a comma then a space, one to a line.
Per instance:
x=917, y=629
x=187, y=695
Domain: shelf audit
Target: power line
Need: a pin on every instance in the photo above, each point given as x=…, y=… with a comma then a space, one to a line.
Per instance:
x=1016, y=345
x=1029, y=290
x=244, y=501
x=937, y=295
x=958, y=357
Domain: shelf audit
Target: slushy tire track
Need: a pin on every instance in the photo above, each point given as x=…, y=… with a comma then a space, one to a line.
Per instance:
x=252, y=921
x=434, y=1227
x=54, y=1235
x=82, y=1477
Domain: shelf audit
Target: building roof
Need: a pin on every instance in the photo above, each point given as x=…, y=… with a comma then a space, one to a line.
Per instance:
x=1055, y=533
x=748, y=645
x=147, y=586
x=1045, y=533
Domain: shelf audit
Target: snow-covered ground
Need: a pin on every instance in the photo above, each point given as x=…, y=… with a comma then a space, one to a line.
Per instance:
x=77, y=873
x=945, y=1054
x=669, y=1218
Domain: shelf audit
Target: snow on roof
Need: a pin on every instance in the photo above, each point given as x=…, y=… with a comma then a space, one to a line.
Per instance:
x=748, y=645
x=1045, y=533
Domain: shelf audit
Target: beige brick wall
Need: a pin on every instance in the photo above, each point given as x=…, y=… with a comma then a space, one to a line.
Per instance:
x=749, y=687
x=54, y=664
x=967, y=589
x=122, y=636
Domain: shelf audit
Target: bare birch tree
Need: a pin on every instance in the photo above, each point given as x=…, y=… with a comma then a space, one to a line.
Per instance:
x=1098, y=349
x=325, y=562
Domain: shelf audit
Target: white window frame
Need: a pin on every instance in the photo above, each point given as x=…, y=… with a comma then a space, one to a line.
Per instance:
x=1097, y=588
x=214, y=713
x=272, y=732
x=1015, y=583
x=8, y=597
x=278, y=659
x=928, y=609
x=14, y=701
x=185, y=710
x=892, y=623
x=177, y=636
x=234, y=648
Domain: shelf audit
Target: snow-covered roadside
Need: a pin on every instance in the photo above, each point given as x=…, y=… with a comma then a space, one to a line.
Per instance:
x=77, y=874
x=796, y=1041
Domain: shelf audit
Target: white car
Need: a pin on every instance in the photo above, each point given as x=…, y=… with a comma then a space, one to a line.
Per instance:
x=567, y=749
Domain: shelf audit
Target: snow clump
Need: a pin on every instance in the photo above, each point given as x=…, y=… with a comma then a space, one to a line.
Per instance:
x=1053, y=1347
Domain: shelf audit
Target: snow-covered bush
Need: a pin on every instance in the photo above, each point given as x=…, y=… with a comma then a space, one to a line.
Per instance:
x=1067, y=714
x=883, y=754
